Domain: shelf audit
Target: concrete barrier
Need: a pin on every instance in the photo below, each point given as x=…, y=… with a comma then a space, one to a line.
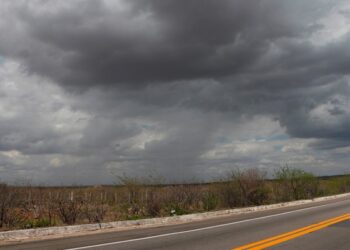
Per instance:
x=119, y=225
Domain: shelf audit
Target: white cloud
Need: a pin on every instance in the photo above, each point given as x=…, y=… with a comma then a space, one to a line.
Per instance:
x=334, y=25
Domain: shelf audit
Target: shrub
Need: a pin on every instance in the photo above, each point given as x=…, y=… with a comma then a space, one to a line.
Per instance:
x=210, y=200
x=43, y=222
x=153, y=202
x=295, y=184
x=69, y=209
x=16, y=217
x=245, y=187
x=95, y=212
x=133, y=186
x=7, y=200
x=33, y=223
x=230, y=194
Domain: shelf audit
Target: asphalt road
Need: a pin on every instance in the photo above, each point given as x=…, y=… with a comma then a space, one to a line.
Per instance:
x=312, y=226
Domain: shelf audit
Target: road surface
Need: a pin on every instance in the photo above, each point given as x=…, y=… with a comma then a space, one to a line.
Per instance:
x=321, y=225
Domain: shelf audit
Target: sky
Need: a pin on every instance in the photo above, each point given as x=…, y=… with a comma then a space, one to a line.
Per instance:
x=186, y=90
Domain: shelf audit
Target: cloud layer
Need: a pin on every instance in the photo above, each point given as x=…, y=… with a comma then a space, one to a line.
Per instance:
x=92, y=89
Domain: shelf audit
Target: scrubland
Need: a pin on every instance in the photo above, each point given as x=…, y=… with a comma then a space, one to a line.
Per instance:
x=136, y=198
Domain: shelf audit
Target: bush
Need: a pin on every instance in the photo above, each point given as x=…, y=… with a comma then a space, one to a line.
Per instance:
x=210, y=200
x=8, y=199
x=43, y=222
x=230, y=194
x=33, y=223
x=177, y=210
x=16, y=217
x=153, y=202
x=69, y=209
x=246, y=188
x=295, y=184
x=95, y=212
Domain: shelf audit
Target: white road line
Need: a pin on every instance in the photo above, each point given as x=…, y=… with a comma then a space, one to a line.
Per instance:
x=201, y=229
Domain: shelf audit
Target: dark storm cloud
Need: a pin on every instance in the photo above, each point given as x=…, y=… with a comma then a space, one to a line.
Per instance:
x=184, y=67
x=257, y=51
x=89, y=43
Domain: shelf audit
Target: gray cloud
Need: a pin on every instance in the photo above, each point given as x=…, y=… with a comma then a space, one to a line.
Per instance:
x=89, y=43
x=159, y=84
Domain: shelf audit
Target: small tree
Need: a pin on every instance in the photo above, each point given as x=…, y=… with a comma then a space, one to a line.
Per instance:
x=133, y=186
x=69, y=208
x=5, y=200
x=295, y=184
x=252, y=185
x=245, y=187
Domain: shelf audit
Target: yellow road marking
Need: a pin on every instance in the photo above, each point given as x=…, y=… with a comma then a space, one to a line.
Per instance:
x=262, y=244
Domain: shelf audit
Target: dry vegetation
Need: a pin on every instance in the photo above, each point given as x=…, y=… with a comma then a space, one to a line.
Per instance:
x=30, y=207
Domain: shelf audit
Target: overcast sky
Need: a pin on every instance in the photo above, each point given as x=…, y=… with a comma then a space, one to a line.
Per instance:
x=183, y=89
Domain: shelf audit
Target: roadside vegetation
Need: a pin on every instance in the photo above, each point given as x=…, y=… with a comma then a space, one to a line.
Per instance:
x=134, y=198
